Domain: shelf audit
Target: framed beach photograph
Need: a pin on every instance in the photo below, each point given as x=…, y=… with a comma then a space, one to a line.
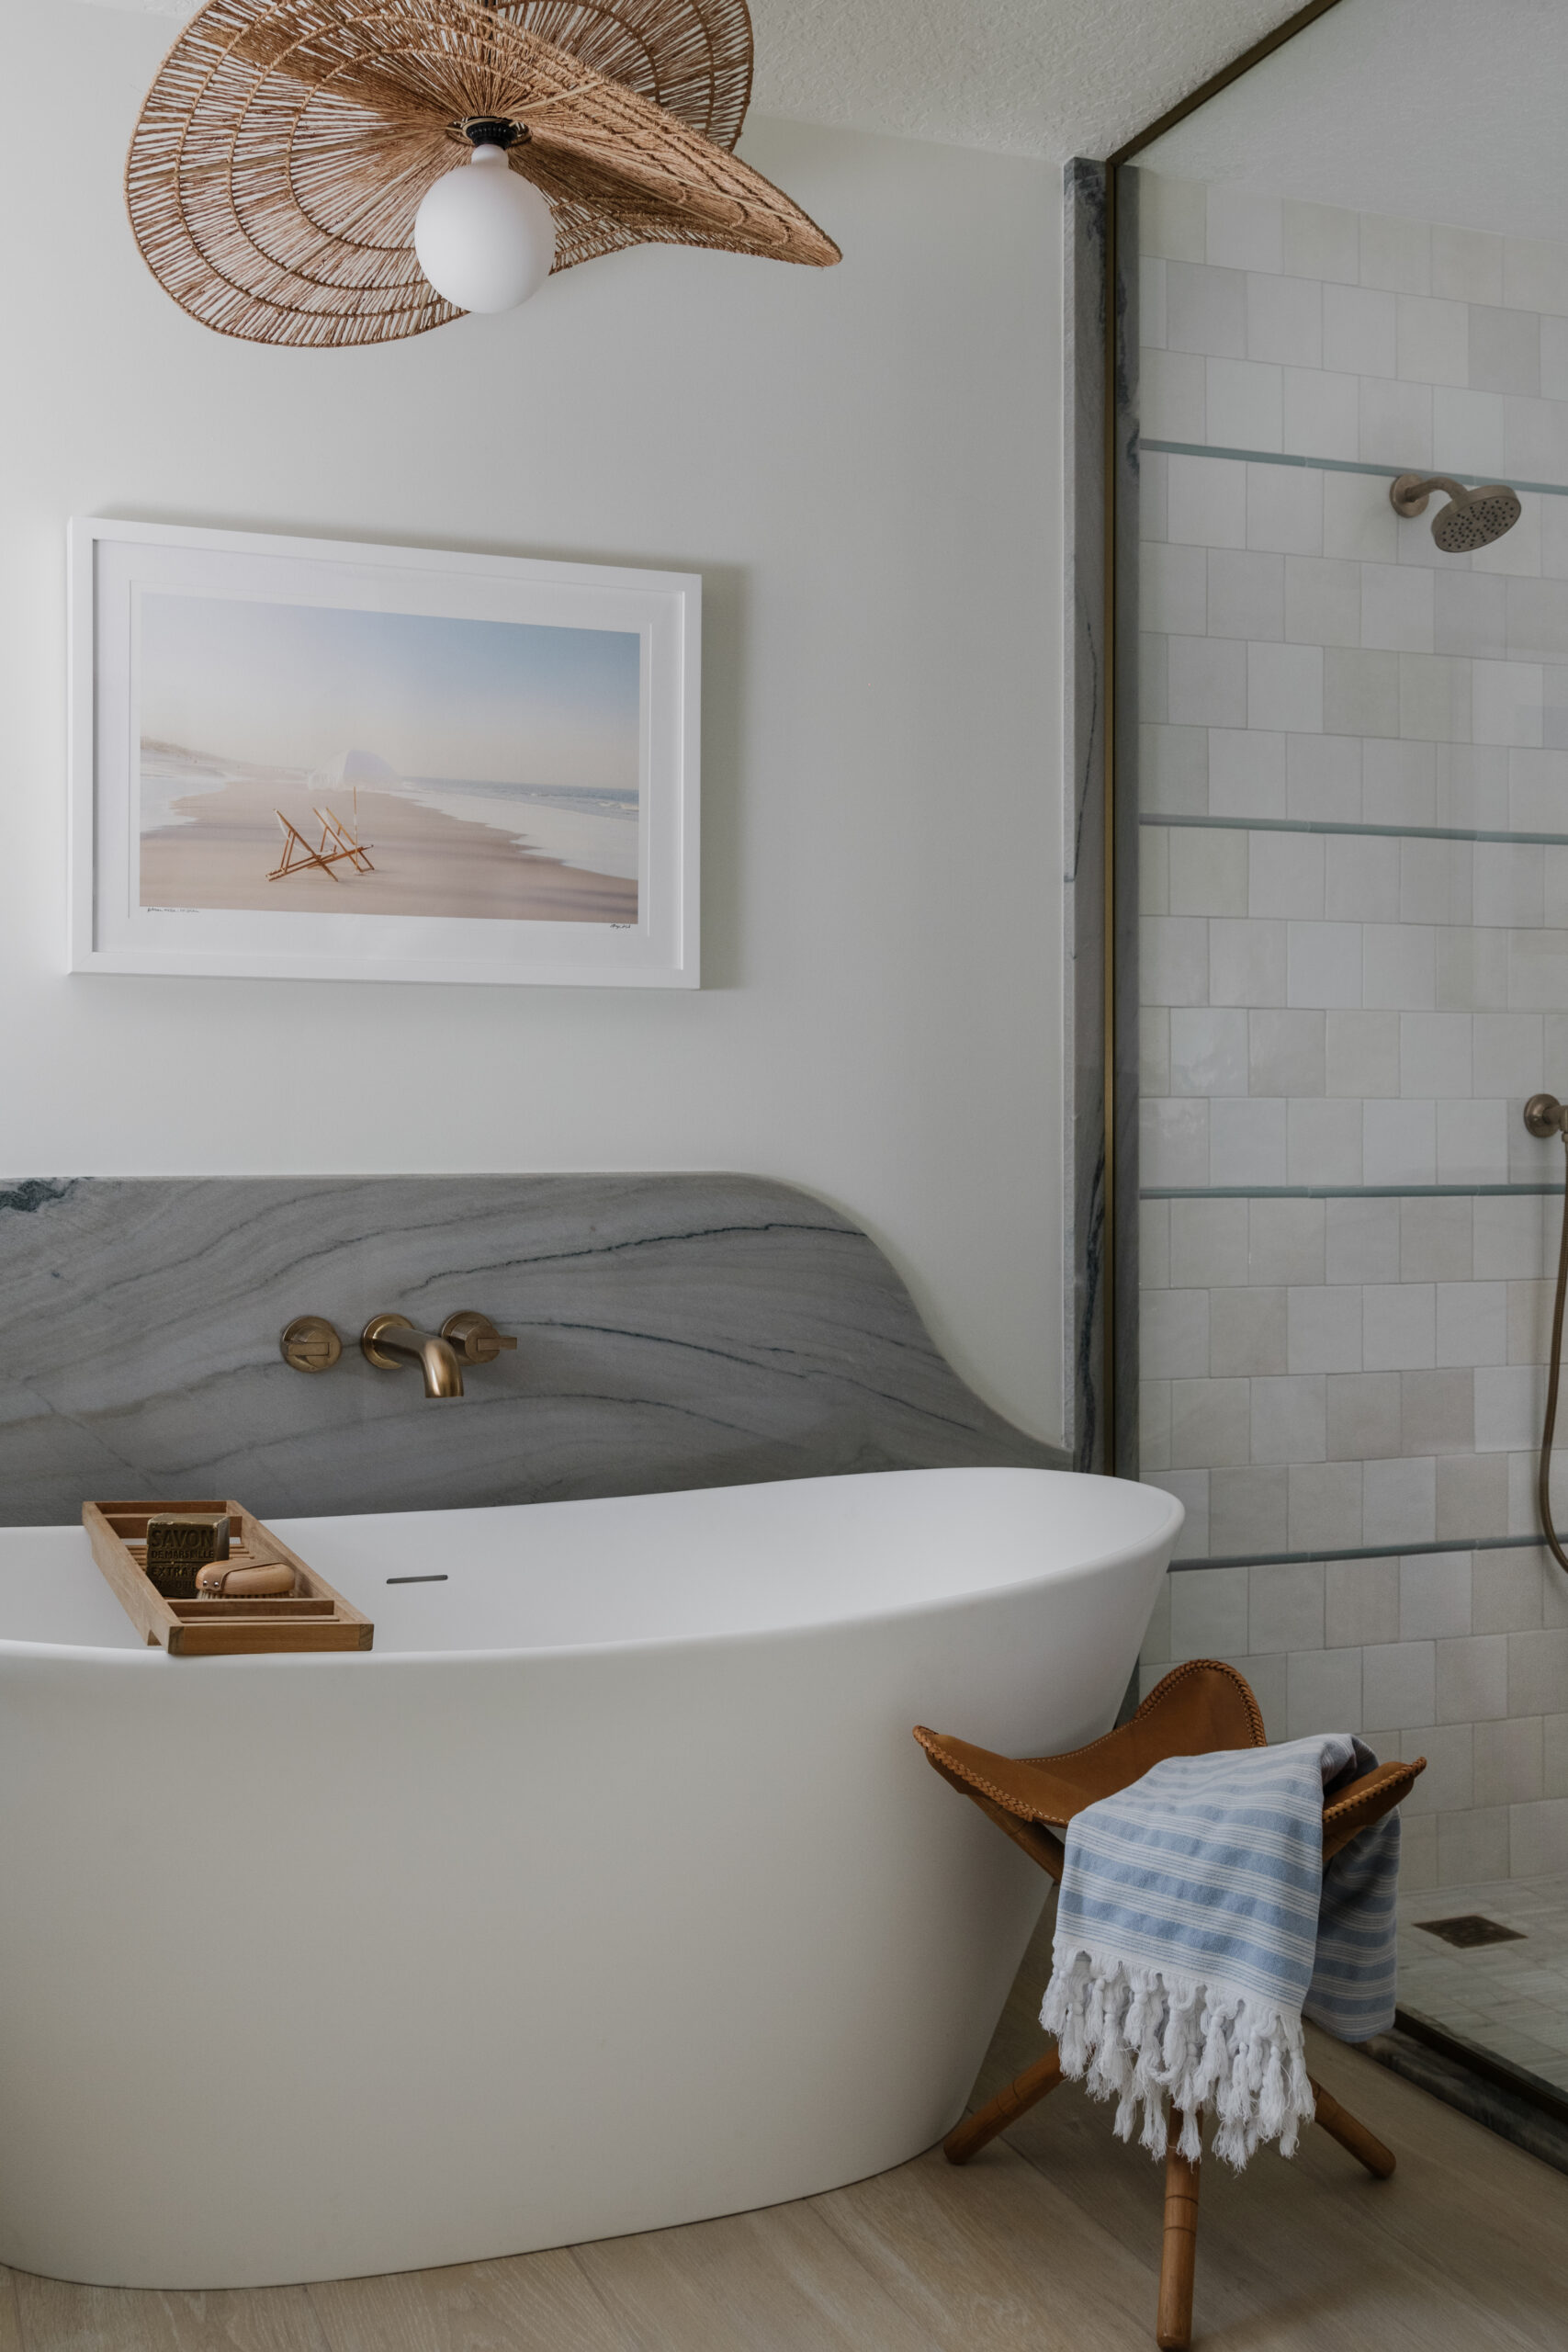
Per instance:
x=310, y=759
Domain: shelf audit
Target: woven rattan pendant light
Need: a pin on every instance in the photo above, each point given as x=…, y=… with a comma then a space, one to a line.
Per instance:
x=284, y=148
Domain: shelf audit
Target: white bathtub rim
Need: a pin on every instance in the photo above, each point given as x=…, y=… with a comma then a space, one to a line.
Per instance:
x=944, y=1604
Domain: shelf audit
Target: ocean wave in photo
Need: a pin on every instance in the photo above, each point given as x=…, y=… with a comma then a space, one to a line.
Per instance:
x=591, y=826
x=169, y=773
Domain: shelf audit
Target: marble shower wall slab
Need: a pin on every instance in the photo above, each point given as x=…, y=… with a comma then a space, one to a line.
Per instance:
x=684, y=1330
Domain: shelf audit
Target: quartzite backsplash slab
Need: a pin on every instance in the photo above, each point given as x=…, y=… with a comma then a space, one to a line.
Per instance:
x=672, y=1332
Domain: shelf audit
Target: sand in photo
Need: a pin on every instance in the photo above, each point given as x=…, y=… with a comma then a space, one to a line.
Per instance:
x=425, y=862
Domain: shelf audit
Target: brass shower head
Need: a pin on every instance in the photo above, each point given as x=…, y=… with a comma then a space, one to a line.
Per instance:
x=1472, y=518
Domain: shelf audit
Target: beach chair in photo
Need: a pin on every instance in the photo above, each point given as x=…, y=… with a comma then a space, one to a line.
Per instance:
x=337, y=845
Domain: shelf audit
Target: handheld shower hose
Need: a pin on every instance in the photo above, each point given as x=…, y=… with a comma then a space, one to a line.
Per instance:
x=1544, y=1115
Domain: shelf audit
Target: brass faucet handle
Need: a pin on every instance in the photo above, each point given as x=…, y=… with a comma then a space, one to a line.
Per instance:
x=475, y=1337
x=310, y=1344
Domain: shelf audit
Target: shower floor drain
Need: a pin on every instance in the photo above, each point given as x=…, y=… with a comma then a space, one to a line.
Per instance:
x=1471, y=1928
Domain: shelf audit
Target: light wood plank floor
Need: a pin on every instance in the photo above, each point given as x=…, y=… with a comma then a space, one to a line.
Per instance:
x=1048, y=2243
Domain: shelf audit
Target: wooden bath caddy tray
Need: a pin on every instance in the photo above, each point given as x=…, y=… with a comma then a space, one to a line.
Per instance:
x=313, y=1617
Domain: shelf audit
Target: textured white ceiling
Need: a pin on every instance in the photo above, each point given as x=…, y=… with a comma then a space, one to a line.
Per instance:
x=1027, y=77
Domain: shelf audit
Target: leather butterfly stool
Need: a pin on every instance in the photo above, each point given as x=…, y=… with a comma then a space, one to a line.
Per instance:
x=1198, y=1708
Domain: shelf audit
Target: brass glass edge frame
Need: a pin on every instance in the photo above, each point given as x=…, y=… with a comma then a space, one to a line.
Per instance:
x=1238, y=66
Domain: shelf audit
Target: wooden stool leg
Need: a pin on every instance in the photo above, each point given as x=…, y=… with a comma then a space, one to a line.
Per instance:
x=1026, y=2090
x=1342, y=2126
x=1173, y=2329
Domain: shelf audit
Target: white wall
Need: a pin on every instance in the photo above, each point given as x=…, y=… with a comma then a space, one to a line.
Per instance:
x=862, y=463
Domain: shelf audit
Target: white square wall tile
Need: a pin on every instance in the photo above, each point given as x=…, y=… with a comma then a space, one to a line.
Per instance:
x=1360, y=330
x=1205, y=498
x=1324, y=964
x=1208, y=682
x=1399, y=1502
x=1323, y=1143
x=1284, y=687
x=1473, y=1679
x=1208, y=1613
x=1173, y=1141
x=1467, y=264
x=1205, y=309
x=1285, y=875
x=1468, y=434
x=1358, y=523
x=1397, y=604
x=1508, y=1402
x=1172, y=216
x=1396, y=254
x=1434, y=340
x=1173, y=959
x=1396, y=423
x=1399, y=1143
x=1472, y=1142
x=1245, y=404
x=1323, y=1690
x=1208, y=1050
x=1173, y=1339
x=1246, y=773
x=1321, y=241
x=1399, y=968
x=1434, y=1054
x=1323, y=1505
x=1173, y=589
x=1246, y=1142
x=1244, y=230
x=1247, y=594
x=1246, y=963
x=1398, y=1684
x=1323, y=412
x=1324, y=1329
x=1285, y=1607
x=1171, y=390
x=1208, y=1423
x=1285, y=509
x=1398, y=1326
x=1284, y=319
x=1289, y=1420
x=1473, y=1323
x=1434, y=1597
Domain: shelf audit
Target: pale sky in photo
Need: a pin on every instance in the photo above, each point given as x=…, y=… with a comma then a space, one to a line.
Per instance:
x=293, y=685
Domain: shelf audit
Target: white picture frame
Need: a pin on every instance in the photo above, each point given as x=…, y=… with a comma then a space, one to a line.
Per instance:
x=145, y=599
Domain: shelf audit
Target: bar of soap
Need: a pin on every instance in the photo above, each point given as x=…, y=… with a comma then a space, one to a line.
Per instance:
x=180, y=1542
x=266, y=1577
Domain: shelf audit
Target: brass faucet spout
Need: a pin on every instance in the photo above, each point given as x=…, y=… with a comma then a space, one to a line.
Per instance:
x=390, y=1342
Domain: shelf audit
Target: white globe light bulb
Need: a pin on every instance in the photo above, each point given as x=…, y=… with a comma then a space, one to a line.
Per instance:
x=484, y=235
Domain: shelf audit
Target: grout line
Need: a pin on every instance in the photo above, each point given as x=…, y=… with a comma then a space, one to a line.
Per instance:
x=1315, y=465
x=1383, y=833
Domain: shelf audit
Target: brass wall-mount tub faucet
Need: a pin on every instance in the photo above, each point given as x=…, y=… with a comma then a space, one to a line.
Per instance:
x=393, y=1343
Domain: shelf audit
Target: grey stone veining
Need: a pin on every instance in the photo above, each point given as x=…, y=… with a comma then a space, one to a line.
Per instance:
x=673, y=1331
x=1083, y=845
x=1095, y=1446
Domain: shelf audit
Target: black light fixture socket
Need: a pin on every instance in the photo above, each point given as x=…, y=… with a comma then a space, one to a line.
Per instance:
x=493, y=130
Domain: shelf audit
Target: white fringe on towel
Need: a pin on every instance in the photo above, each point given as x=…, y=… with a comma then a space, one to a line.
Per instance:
x=1155, y=2037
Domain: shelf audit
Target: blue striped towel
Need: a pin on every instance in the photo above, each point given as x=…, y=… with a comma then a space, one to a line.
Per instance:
x=1197, y=1926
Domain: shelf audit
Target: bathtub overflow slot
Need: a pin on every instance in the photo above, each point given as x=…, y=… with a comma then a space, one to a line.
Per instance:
x=440, y=1579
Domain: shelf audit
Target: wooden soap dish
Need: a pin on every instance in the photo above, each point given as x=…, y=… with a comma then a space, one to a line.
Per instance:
x=313, y=1617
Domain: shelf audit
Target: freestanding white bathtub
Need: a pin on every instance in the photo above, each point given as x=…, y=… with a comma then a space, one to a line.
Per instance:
x=609, y=1891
